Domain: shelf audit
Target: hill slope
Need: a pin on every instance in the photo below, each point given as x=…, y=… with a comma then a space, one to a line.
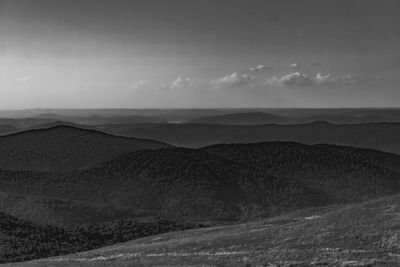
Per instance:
x=182, y=182
x=346, y=174
x=60, y=212
x=64, y=148
x=225, y=182
x=23, y=240
x=380, y=136
x=363, y=234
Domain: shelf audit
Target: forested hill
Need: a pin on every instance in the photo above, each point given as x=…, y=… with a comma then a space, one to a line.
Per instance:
x=224, y=182
x=64, y=148
x=185, y=183
x=345, y=173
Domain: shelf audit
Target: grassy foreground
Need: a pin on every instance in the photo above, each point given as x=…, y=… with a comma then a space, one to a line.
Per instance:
x=366, y=234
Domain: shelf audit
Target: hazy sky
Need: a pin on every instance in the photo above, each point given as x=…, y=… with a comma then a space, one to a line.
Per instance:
x=199, y=53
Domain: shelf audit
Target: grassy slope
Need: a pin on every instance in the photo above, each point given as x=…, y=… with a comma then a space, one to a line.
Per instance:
x=362, y=234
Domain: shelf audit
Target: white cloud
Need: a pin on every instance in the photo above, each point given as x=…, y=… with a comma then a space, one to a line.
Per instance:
x=298, y=79
x=273, y=81
x=233, y=80
x=330, y=79
x=183, y=83
x=258, y=68
x=294, y=66
x=26, y=79
x=179, y=84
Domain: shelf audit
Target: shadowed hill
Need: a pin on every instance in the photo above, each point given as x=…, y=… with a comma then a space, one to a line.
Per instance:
x=182, y=182
x=225, y=182
x=63, y=148
x=7, y=129
x=364, y=234
x=60, y=212
x=380, y=136
x=345, y=173
x=23, y=240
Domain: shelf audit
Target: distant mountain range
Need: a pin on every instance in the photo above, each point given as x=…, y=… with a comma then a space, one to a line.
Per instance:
x=183, y=115
x=252, y=118
x=380, y=136
x=259, y=118
x=18, y=120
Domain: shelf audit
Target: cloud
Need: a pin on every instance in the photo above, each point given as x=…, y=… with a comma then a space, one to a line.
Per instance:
x=183, y=83
x=179, y=84
x=298, y=79
x=233, y=80
x=273, y=81
x=26, y=79
x=258, y=68
x=117, y=85
x=294, y=66
x=334, y=80
x=138, y=84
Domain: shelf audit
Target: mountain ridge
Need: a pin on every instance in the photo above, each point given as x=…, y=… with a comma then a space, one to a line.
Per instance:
x=63, y=148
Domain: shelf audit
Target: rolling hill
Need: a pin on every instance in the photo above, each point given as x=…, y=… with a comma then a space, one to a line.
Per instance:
x=364, y=234
x=380, y=136
x=177, y=182
x=147, y=192
x=224, y=182
x=345, y=174
x=63, y=148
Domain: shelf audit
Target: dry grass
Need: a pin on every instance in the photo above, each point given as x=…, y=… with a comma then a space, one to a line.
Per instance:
x=366, y=234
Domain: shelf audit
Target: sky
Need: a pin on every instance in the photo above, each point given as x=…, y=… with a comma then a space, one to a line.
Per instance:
x=199, y=53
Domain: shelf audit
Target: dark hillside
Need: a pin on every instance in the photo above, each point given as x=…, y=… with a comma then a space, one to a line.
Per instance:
x=22, y=240
x=64, y=148
x=347, y=173
x=183, y=182
x=60, y=212
x=224, y=182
